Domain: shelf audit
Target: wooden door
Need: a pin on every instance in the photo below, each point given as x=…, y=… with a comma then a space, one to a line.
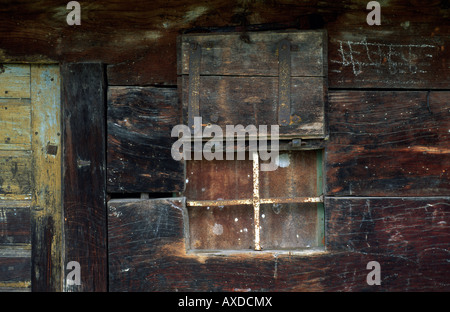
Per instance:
x=30, y=176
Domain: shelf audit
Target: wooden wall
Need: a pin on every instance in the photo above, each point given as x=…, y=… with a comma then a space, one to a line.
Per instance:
x=386, y=161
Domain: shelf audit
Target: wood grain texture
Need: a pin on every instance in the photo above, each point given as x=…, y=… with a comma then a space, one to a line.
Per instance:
x=388, y=143
x=405, y=227
x=135, y=226
x=138, y=39
x=413, y=230
x=148, y=246
x=140, y=121
x=83, y=94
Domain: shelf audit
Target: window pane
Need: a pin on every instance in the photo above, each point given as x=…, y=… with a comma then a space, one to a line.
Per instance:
x=228, y=227
x=290, y=226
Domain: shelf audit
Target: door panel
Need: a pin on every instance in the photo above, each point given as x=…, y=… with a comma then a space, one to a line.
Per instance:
x=30, y=172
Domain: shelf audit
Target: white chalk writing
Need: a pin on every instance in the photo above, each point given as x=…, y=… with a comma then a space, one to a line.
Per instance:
x=383, y=57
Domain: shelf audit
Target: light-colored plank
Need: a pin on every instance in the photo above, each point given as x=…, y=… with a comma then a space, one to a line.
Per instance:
x=15, y=175
x=15, y=124
x=46, y=164
x=14, y=81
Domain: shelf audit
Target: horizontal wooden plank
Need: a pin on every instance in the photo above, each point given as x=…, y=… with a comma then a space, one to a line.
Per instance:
x=254, y=101
x=15, y=174
x=147, y=242
x=408, y=227
x=15, y=120
x=359, y=60
x=140, y=121
x=15, y=223
x=385, y=143
x=138, y=39
x=14, y=81
x=257, y=55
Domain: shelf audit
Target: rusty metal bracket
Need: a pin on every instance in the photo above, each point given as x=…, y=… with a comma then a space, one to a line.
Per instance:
x=195, y=55
x=284, y=82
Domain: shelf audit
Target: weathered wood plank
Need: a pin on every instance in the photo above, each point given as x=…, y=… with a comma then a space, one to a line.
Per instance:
x=15, y=175
x=257, y=55
x=412, y=230
x=254, y=101
x=14, y=81
x=405, y=227
x=15, y=121
x=388, y=143
x=15, y=223
x=46, y=212
x=409, y=261
x=140, y=121
x=84, y=180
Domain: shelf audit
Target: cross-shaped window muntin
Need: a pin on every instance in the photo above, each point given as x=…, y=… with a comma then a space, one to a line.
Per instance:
x=255, y=201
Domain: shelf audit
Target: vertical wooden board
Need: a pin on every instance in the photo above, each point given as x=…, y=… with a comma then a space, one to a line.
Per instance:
x=46, y=217
x=15, y=175
x=388, y=143
x=15, y=121
x=139, y=159
x=84, y=180
x=14, y=81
